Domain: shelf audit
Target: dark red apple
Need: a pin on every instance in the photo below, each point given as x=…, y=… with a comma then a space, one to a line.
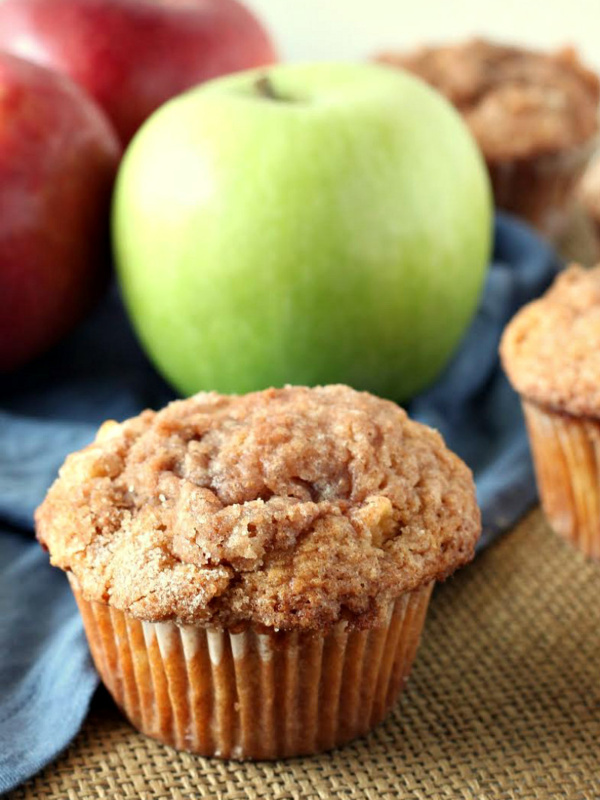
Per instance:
x=133, y=55
x=58, y=159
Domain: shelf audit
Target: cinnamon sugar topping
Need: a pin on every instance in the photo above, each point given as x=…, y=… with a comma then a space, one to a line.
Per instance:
x=551, y=349
x=288, y=508
x=518, y=103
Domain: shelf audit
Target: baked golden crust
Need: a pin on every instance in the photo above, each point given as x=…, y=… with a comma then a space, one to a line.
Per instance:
x=518, y=103
x=289, y=508
x=551, y=349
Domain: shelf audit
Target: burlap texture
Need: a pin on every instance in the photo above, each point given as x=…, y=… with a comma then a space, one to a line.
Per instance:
x=503, y=702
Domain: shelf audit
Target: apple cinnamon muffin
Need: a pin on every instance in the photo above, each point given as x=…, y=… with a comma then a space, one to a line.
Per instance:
x=533, y=114
x=551, y=353
x=253, y=571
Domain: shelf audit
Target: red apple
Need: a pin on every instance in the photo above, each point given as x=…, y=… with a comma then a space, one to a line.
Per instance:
x=58, y=159
x=133, y=55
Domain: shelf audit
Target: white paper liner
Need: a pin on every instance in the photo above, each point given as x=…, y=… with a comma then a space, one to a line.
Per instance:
x=251, y=694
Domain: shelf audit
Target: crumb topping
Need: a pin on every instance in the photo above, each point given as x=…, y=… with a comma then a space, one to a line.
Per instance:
x=288, y=508
x=518, y=103
x=551, y=349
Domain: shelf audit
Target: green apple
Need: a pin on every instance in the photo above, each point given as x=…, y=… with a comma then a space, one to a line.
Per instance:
x=306, y=224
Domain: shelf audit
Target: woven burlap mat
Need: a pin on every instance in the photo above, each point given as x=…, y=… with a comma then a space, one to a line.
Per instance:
x=503, y=702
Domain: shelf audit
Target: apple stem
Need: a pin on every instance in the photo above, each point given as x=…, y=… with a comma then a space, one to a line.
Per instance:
x=265, y=88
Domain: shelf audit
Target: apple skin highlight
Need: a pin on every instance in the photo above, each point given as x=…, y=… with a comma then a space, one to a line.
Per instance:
x=340, y=236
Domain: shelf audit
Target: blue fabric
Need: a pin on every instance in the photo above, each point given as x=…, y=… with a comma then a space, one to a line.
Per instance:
x=55, y=405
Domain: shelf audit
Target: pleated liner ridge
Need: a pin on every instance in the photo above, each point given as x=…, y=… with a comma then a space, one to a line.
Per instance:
x=566, y=454
x=254, y=695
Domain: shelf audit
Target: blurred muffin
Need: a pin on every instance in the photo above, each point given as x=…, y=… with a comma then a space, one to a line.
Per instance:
x=253, y=572
x=533, y=114
x=551, y=353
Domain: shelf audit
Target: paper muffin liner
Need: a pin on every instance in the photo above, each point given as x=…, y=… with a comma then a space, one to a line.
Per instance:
x=566, y=454
x=542, y=189
x=254, y=695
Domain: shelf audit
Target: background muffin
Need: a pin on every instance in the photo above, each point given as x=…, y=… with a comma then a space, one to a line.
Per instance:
x=551, y=353
x=534, y=116
x=253, y=572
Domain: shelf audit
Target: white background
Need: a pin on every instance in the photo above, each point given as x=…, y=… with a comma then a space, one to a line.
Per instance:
x=351, y=29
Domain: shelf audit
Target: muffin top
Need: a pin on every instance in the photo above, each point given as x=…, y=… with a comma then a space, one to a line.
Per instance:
x=551, y=349
x=589, y=190
x=287, y=508
x=518, y=103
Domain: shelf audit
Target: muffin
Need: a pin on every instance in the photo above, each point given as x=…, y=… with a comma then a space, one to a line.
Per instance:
x=551, y=353
x=534, y=116
x=253, y=571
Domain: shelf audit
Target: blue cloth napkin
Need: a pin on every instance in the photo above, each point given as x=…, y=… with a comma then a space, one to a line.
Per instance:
x=55, y=406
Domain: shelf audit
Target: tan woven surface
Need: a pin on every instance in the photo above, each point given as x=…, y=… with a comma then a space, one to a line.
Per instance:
x=503, y=702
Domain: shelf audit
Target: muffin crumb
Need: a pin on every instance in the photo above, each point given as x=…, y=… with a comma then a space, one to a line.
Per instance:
x=551, y=349
x=517, y=102
x=288, y=508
